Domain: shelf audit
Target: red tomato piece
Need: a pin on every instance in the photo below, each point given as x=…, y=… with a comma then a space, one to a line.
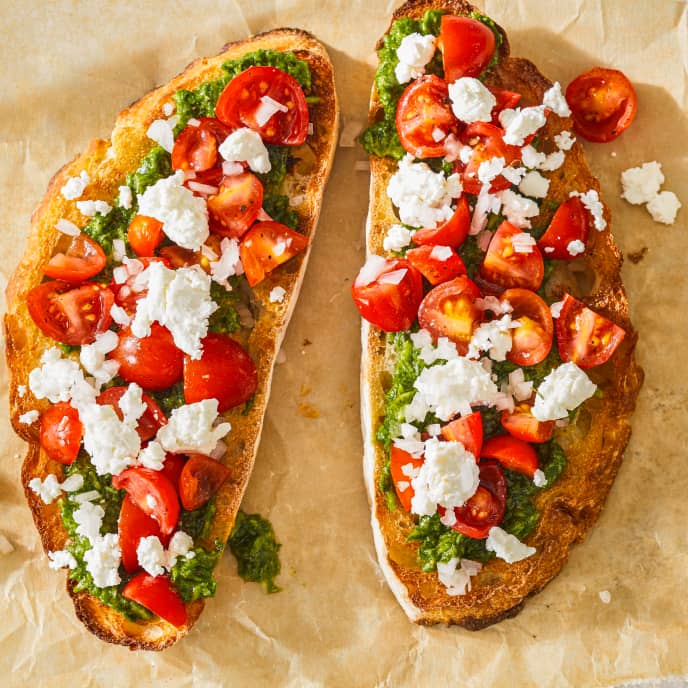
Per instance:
x=531, y=341
x=144, y=234
x=128, y=293
x=468, y=430
x=586, y=338
x=172, y=468
x=236, y=205
x=159, y=595
x=154, y=362
x=240, y=105
x=153, y=493
x=266, y=246
x=506, y=268
x=200, y=479
x=61, y=432
x=389, y=295
x=196, y=146
x=71, y=315
x=449, y=310
x=402, y=482
x=149, y=423
x=452, y=233
x=423, y=109
x=436, y=270
x=505, y=101
x=224, y=372
x=83, y=259
x=603, y=104
x=485, y=509
x=467, y=46
x=522, y=425
x=570, y=223
x=487, y=143
x=512, y=453
x=133, y=525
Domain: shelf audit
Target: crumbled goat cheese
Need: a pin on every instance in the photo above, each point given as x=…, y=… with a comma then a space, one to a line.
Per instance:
x=563, y=390
x=132, y=405
x=555, y=101
x=229, y=263
x=485, y=204
x=564, y=141
x=490, y=169
x=641, y=184
x=471, y=100
x=190, y=428
x=397, y=238
x=664, y=207
x=67, y=227
x=518, y=209
x=518, y=387
x=534, y=184
x=523, y=242
x=153, y=456
x=151, y=555
x=48, y=490
x=180, y=545
x=92, y=357
x=21, y=391
x=277, y=294
x=90, y=208
x=553, y=161
x=593, y=205
x=414, y=52
x=29, y=417
x=457, y=579
x=61, y=559
x=507, y=546
x=514, y=174
x=103, y=559
x=575, y=247
x=493, y=337
x=532, y=158
x=74, y=187
x=89, y=520
x=245, y=145
x=539, y=478
x=441, y=253
x=168, y=109
x=125, y=197
x=162, y=132
x=429, y=352
x=520, y=124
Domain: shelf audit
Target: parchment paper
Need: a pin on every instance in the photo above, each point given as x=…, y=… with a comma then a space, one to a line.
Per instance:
x=69, y=67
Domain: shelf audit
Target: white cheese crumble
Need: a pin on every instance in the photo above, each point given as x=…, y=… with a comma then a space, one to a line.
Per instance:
x=489, y=169
x=245, y=145
x=277, y=294
x=90, y=208
x=397, y=238
x=520, y=124
x=555, y=101
x=184, y=216
x=448, y=477
x=168, y=109
x=471, y=100
x=103, y=559
x=532, y=158
x=56, y=378
x=553, y=161
x=575, y=247
x=89, y=519
x=507, y=546
x=92, y=357
x=493, y=337
x=180, y=546
x=29, y=417
x=539, y=478
x=514, y=174
x=534, y=184
x=151, y=555
x=61, y=559
x=414, y=52
x=21, y=391
x=67, y=227
x=229, y=262
x=190, y=428
x=48, y=490
x=593, y=205
x=74, y=187
x=563, y=390
x=153, y=456
x=518, y=387
x=564, y=141
x=457, y=578
x=641, y=184
x=125, y=197
x=518, y=209
x=132, y=405
x=422, y=196
x=664, y=207
x=179, y=300
x=523, y=242
x=441, y=253
x=444, y=350
x=485, y=204
x=162, y=132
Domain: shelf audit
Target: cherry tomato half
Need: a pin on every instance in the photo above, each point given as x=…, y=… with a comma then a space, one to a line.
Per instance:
x=236, y=205
x=603, y=104
x=157, y=594
x=196, y=146
x=148, y=424
x=468, y=430
x=388, y=299
x=449, y=310
x=522, y=425
x=424, y=108
x=144, y=234
x=586, y=338
x=200, y=479
x=71, y=315
x=134, y=524
x=467, y=46
x=154, y=362
x=570, y=223
x=505, y=101
x=83, y=259
x=240, y=103
x=172, y=468
x=402, y=482
x=436, y=269
x=512, y=453
x=531, y=341
x=61, y=432
x=452, y=233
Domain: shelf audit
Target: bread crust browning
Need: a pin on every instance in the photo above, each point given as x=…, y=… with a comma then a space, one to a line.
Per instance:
x=594, y=444
x=107, y=163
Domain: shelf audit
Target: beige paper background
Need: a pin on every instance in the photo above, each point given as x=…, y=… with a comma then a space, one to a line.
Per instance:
x=69, y=67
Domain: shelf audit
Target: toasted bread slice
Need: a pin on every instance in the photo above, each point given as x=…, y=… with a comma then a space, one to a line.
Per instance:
x=594, y=444
x=107, y=163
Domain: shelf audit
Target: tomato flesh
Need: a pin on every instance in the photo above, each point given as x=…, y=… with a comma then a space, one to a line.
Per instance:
x=522, y=425
x=83, y=259
x=402, y=482
x=603, y=104
x=134, y=524
x=585, y=338
x=452, y=233
x=236, y=205
x=389, y=299
x=570, y=223
x=172, y=468
x=505, y=101
x=449, y=310
x=436, y=270
x=200, y=479
x=467, y=46
x=531, y=341
x=144, y=235
x=148, y=424
x=512, y=453
x=61, y=432
x=196, y=146
x=159, y=595
x=468, y=430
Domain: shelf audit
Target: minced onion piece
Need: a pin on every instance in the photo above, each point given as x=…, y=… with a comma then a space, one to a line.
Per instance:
x=67, y=227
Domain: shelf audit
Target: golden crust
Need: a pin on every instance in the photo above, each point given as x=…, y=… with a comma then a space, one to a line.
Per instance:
x=107, y=163
x=594, y=443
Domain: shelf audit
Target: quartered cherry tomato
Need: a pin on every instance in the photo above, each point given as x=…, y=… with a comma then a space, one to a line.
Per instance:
x=468, y=430
x=467, y=46
x=154, y=362
x=449, y=310
x=522, y=425
x=240, y=103
x=196, y=146
x=128, y=293
x=224, y=372
x=402, y=482
x=487, y=143
x=434, y=266
x=172, y=468
x=452, y=233
x=424, y=109
x=236, y=205
x=61, y=432
x=266, y=246
x=570, y=223
x=200, y=479
x=390, y=297
x=531, y=341
x=148, y=424
x=505, y=101
x=504, y=267
x=83, y=259
x=603, y=104
x=71, y=314
x=134, y=524
x=512, y=453
x=153, y=493
x=157, y=594
x=585, y=338
x=144, y=234
x=485, y=509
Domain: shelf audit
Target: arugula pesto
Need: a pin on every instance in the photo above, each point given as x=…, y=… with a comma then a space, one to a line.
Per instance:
x=225, y=319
